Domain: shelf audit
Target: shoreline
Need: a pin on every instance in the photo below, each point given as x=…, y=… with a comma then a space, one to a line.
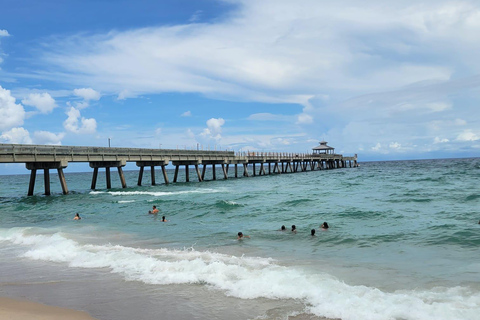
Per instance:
x=18, y=309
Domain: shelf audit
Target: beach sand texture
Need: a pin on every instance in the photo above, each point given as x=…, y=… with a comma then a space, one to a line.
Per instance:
x=11, y=309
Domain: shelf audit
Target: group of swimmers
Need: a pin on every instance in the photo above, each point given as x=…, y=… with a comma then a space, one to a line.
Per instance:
x=323, y=226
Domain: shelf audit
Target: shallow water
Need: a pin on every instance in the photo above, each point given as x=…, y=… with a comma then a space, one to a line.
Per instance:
x=403, y=243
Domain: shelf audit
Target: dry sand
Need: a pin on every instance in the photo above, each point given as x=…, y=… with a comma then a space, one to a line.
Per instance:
x=11, y=309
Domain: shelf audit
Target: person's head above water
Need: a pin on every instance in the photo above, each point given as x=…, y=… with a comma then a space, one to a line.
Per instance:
x=283, y=228
x=240, y=234
x=312, y=232
x=294, y=228
x=163, y=218
x=324, y=225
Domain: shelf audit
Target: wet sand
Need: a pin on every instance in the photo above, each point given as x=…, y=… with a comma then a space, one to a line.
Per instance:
x=11, y=309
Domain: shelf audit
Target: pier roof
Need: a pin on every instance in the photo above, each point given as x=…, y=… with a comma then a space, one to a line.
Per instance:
x=323, y=148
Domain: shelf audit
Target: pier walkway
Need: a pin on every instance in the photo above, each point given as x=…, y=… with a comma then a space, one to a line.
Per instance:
x=46, y=157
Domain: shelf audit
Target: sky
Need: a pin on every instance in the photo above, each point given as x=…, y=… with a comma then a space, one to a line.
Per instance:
x=387, y=80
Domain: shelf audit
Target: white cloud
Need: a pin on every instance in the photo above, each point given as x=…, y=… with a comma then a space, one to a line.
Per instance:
x=87, y=94
x=186, y=114
x=42, y=101
x=213, y=130
x=46, y=137
x=395, y=145
x=468, y=135
x=4, y=33
x=307, y=48
x=87, y=126
x=16, y=135
x=439, y=140
x=304, y=118
x=377, y=147
x=11, y=114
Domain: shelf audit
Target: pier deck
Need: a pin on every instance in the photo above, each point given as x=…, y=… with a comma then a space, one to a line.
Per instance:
x=46, y=157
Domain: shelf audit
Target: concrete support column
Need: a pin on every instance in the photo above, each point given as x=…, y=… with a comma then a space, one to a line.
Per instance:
x=225, y=175
x=31, y=187
x=165, y=176
x=214, y=174
x=94, y=178
x=122, y=177
x=269, y=168
x=254, y=170
x=140, y=176
x=204, y=169
x=187, y=174
x=198, y=173
x=63, y=182
x=245, y=170
x=236, y=170
x=109, y=180
x=152, y=175
x=176, y=174
x=46, y=179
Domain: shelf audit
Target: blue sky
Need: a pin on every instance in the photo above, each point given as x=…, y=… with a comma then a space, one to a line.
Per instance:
x=385, y=80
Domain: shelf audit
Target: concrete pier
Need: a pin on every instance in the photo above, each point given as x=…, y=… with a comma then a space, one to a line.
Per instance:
x=42, y=157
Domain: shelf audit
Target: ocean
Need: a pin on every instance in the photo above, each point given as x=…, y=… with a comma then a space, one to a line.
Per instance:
x=403, y=243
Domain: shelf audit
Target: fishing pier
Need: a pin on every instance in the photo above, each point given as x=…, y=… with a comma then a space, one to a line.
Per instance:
x=245, y=164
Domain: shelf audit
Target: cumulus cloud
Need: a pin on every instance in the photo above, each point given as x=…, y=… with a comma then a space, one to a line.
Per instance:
x=11, y=114
x=77, y=124
x=468, y=135
x=42, y=101
x=87, y=94
x=16, y=135
x=4, y=33
x=213, y=130
x=46, y=137
x=186, y=114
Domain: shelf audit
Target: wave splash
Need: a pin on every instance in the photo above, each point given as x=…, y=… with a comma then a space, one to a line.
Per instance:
x=247, y=278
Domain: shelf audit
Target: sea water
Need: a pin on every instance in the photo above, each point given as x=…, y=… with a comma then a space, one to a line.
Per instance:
x=403, y=243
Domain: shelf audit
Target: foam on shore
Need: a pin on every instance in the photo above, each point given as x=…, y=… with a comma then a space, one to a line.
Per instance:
x=247, y=278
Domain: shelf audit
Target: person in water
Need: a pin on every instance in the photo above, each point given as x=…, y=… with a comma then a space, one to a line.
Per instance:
x=77, y=217
x=163, y=219
x=294, y=229
x=283, y=228
x=241, y=236
x=324, y=226
x=312, y=232
x=154, y=210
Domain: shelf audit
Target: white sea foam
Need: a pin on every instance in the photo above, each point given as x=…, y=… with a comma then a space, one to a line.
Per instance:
x=154, y=193
x=248, y=278
x=126, y=201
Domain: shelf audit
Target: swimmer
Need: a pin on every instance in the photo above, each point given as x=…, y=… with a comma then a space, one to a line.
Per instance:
x=294, y=229
x=324, y=226
x=241, y=236
x=77, y=217
x=154, y=210
x=312, y=232
x=283, y=228
x=163, y=219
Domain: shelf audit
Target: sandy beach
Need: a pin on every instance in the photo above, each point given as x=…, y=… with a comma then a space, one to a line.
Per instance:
x=11, y=309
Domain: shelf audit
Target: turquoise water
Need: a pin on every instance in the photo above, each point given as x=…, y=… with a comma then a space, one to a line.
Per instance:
x=403, y=242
